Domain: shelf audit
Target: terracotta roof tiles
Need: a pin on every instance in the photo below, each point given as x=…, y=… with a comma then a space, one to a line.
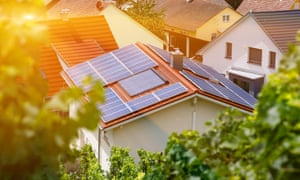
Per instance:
x=74, y=52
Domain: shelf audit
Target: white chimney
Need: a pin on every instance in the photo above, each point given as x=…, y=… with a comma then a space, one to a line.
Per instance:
x=177, y=59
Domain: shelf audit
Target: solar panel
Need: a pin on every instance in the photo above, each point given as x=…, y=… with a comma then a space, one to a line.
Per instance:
x=134, y=58
x=230, y=95
x=142, y=102
x=195, y=68
x=202, y=84
x=247, y=98
x=114, y=106
x=170, y=91
x=165, y=55
x=141, y=82
x=78, y=72
x=109, y=68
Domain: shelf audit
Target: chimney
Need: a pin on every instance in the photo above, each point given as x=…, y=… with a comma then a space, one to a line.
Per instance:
x=64, y=14
x=177, y=59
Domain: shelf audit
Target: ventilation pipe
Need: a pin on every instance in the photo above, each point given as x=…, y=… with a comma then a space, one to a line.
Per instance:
x=177, y=59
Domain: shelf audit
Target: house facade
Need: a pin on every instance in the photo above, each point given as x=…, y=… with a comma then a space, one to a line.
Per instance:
x=151, y=93
x=189, y=25
x=251, y=49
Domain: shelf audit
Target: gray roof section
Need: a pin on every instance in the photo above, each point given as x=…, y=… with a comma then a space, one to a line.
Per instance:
x=280, y=26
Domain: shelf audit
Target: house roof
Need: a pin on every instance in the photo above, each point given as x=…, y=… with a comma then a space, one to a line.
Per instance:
x=265, y=5
x=77, y=8
x=75, y=52
x=138, y=79
x=280, y=26
x=189, y=16
x=93, y=32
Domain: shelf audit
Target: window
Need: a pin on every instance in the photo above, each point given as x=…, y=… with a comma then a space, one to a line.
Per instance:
x=226, y=18
x=272, y=59
x=255, y=56
x=228, y=52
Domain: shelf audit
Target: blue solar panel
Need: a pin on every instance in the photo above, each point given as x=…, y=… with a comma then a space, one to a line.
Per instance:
x=114, y=106
x=170, y=91
x=202, y=84
x=230, y=95
x=142, y=102
x=78, y=72
x=247, y=98
x=134, y=59
x=109, y=68
x=141, y=82
x=165, y=55
x=196, y=68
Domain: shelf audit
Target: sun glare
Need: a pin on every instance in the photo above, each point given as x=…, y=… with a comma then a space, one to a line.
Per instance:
x=29, y=17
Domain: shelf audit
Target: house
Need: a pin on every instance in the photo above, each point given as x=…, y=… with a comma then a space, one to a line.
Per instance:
x=124, y=29
x=72, y=41
x=267, y=5
x=190, y=25
x=81, y=24
x=151, y=93
x=251, y=49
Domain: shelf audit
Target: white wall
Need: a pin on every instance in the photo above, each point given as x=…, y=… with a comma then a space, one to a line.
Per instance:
x=151, y=132
x=247, y=34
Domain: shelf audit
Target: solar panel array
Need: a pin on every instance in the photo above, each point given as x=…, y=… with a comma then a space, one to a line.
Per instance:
x=229, y=90
x=215, y=89
x=115, y=108
x=141, y=82
x=113, y=66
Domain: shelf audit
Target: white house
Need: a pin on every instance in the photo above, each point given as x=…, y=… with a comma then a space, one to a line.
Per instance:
x=151, y=93
x=251, y=49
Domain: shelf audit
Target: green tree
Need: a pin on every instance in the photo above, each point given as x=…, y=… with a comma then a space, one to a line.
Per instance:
x=143, y=12
x=122, y=165
x=85, y=167
x=33, y=136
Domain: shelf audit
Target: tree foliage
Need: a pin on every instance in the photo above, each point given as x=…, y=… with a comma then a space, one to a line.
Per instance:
x=143, y=12
x=85, y=167
x=33, y=135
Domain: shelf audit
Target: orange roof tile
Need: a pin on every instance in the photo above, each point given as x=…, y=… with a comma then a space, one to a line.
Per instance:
x=90, y=30
x=73, y=52
x=51, y=68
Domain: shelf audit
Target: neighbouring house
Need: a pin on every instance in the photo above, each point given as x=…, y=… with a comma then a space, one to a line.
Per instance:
x=267, y=5
x=151, y=93
x=124, y=28
x=251, y=49
x=72, y=41
x=189, y=25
